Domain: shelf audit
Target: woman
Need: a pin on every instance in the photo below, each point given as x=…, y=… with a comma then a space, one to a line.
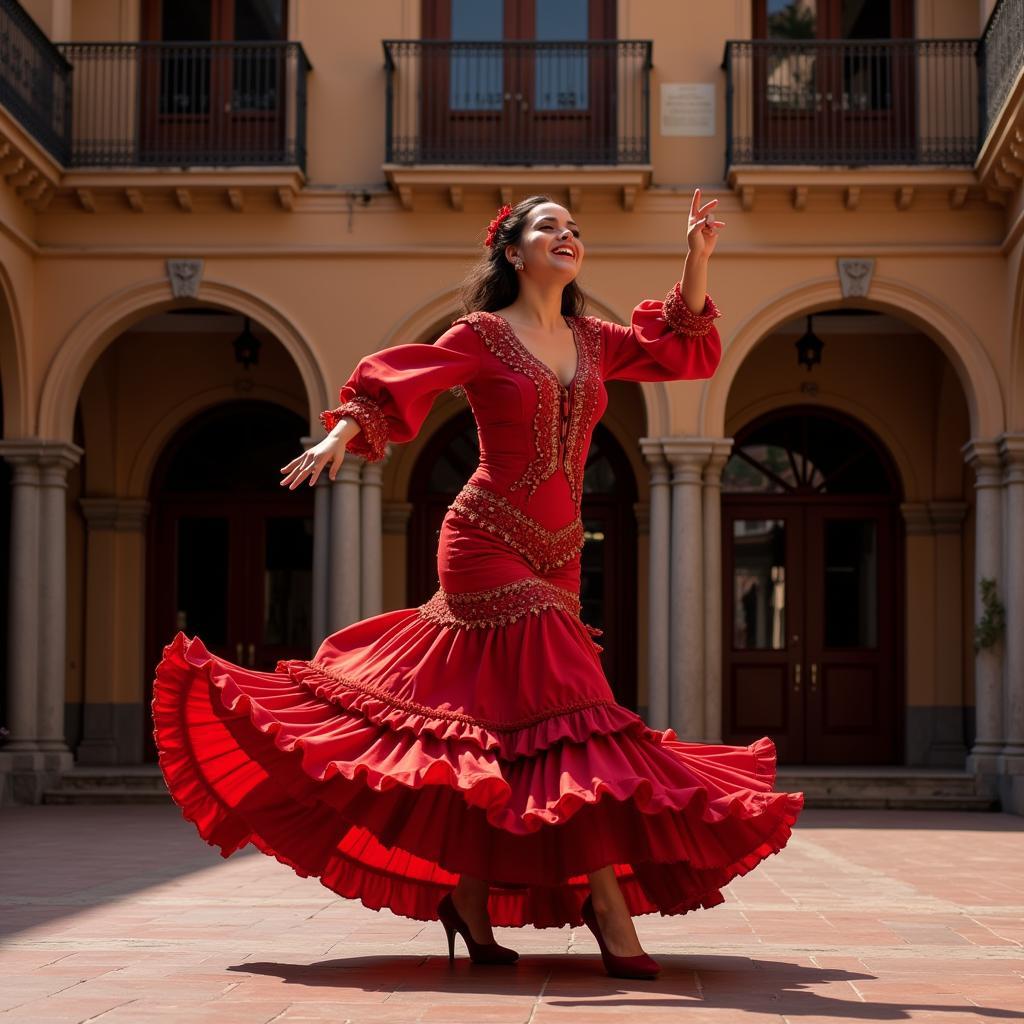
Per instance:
x=465, y=760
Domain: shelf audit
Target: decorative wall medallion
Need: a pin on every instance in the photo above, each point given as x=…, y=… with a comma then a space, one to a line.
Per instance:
x=184, y=276
x=855, y=276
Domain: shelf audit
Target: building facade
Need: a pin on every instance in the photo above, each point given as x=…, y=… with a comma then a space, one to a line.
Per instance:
x=210, y=211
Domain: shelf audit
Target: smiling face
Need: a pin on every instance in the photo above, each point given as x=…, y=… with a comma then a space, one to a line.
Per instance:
x=550, y=244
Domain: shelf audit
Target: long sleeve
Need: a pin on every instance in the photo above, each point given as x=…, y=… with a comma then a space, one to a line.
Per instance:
x=390, y=392
x=665, y=341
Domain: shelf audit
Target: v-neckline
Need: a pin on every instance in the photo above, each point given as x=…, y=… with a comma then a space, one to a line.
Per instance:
x=540, y=362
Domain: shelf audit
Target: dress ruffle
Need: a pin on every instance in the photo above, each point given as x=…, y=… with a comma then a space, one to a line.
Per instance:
x=361, y=767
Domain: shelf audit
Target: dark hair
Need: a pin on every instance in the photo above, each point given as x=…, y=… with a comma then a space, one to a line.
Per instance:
x=492, y=282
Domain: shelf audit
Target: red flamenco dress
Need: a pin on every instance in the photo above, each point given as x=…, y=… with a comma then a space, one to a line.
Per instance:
x=477, y=732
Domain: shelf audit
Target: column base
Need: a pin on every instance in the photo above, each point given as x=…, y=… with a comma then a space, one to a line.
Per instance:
x=24, y=775
x=1011, y=781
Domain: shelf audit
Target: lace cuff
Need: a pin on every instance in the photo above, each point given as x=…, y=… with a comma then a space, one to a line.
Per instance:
x=683, y=320
x=372, y=438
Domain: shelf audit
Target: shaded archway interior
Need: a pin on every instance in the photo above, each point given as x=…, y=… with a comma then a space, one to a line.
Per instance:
x=608, y=561
x=230, y=550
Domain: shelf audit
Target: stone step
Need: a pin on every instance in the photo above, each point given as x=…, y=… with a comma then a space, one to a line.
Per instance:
x=895, y=788
x=854, y=788
x=106, y=795
x=143, y=776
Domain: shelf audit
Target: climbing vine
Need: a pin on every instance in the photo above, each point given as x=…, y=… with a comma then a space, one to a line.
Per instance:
x=990, y=628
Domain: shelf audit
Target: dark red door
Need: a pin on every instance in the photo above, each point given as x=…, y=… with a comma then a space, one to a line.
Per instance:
x=840, y=93
x=812, y=582
x=544, y=97
x=762, y=562
x=211, y=82
x=848, y=654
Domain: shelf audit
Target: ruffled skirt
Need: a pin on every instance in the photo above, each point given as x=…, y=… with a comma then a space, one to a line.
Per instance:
x=408, y=751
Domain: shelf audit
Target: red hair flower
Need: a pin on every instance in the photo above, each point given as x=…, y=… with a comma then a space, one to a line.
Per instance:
x=492, y=228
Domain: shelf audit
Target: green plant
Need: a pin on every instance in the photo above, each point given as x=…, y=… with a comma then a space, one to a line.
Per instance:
x=988, y=631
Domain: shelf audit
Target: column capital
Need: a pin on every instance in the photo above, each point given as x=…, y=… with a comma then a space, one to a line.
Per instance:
x=721, y=450
x=1011, y=454
x=688, y=451
x=41, y=452
x=125, y=515
x=983, y=457
x=653, y=450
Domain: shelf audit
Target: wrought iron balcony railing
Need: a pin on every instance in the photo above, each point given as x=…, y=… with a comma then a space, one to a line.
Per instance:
x=517, y=102
x=1002, y=54
x=144, y=104
x=824, y=101
x=35, y=80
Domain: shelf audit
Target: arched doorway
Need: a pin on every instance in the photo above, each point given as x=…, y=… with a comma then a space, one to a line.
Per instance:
x=812, y=599
x=230, y=551
x=608, y=564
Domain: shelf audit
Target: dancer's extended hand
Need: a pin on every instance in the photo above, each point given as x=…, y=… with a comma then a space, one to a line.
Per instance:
x=329, y=452
x=702, y=233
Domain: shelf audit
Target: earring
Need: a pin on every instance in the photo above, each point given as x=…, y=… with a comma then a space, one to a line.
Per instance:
x=517, y=262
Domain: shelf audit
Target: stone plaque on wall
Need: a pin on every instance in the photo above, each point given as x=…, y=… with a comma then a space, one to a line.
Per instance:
x=687, y=108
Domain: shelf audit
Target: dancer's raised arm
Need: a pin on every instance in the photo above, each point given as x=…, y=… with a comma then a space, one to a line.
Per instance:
x=388, y=394
x=667, y=339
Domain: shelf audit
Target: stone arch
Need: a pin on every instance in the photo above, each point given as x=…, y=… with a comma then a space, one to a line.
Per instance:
x=16, y=404
x=153, y=444
x=882, y=430
x=945, y=327
x=105, y=321
x=443, y=307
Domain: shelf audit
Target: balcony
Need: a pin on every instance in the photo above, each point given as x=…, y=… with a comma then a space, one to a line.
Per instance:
x=901, y=116
x=174, y=105
x=35, y=81
x=515, y=113
x=83, y=120
x=828, y=102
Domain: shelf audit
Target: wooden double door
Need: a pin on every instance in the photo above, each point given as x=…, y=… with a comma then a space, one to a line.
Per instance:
x=212, y=80
x=838, y=93
x=497, y=86
x=810, y=649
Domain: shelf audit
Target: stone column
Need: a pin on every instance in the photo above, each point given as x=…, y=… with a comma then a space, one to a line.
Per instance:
x=687, y=457
x=321, y=558
x=1011, y=451
x=658, y=554
x=344, y=583
x=983, y=458
x=319, y=612
x=947, y=742
x=55, y=463
x=919, y=629
x=371, y=561
x=114, y=669
x=37, y=753
x=23, y=608
x=712, y=539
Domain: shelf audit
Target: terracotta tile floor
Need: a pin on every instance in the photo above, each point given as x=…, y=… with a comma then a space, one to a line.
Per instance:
x=122, y=915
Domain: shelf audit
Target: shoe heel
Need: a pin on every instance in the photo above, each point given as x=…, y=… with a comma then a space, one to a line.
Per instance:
x=450, y=932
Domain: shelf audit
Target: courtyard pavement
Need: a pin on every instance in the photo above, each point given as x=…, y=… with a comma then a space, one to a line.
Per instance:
x=123, y=915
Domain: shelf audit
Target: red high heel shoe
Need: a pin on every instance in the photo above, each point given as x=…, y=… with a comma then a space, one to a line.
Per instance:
x=479, y=952
x=640, y=966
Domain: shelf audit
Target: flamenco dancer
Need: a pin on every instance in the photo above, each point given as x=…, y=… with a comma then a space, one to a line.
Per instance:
x=465, y=760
